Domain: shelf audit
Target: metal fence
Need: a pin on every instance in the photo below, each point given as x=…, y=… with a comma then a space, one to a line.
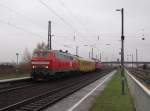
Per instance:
x=140, y=94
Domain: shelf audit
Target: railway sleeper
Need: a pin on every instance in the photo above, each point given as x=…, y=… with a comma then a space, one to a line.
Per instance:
x=36, y=104
x=33, y=105
x=27, y=108
x=19, y=110
x=49, y=98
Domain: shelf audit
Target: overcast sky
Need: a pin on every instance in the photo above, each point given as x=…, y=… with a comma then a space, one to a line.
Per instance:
x=23, y=24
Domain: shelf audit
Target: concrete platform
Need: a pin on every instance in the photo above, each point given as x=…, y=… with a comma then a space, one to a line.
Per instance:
x=82, y=99
x=139, y=92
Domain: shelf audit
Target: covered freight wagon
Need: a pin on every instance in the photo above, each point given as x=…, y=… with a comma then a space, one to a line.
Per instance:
x=86, y=65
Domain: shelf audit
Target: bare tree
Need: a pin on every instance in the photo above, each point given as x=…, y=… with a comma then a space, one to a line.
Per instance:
x=25, y=65
x=41, y=46
x=26, y=56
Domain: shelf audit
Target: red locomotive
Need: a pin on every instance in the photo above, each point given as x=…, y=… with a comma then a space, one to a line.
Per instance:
x=47, y=63
x=54, y=63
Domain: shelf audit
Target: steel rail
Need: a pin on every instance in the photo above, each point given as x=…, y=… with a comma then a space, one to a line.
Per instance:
x=8, y=89
x=45, y=99
x=142, y=74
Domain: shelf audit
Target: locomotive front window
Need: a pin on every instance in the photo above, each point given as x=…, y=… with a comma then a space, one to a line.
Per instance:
x=40, y=54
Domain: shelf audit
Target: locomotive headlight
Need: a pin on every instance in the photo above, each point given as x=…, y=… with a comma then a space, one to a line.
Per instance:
x=46, y=67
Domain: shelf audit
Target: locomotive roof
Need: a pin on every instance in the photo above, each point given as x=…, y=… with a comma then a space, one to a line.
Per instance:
x=57, y=51
x=85, y=59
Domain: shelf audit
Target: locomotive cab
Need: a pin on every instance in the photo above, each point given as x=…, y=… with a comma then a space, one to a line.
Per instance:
x=41, y=65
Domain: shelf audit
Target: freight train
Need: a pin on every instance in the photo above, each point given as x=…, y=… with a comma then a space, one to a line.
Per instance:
x=52, y=63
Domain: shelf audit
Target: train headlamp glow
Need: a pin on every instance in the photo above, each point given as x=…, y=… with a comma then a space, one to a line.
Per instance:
x=46, y=67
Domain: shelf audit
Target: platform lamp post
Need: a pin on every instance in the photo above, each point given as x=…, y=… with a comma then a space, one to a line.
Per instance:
x=122, y=50
x=17, y=54
x=89, y=51
x=77, y=49
x=128, y=59
x=132, y=60
x=92, y=51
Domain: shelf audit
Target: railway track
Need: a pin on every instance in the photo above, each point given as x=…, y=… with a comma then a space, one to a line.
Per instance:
x=16, y=87
x=52, y=95
x=143, y=75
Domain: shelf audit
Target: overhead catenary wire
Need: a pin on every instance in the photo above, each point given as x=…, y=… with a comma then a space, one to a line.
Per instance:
x=71, y=13
x=26, y=17
x=20, y=28
x=103, y=36
x=57, y=15
x=25, y=30
x=20, y=14
x=87, y=37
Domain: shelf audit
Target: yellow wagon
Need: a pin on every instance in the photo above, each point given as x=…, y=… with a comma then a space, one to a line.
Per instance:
x=86, y=65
